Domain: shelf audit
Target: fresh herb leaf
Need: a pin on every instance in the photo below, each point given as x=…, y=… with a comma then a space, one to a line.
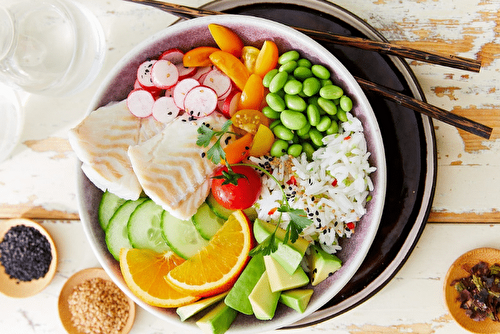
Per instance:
x=215, y=153
x=266, y=247
x=229, y=176
x=298, y=221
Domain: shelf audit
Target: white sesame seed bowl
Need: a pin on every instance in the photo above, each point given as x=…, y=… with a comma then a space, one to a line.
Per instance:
x=253, y=31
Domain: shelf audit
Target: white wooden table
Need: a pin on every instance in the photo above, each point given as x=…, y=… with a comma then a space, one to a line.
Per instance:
x=39, y=180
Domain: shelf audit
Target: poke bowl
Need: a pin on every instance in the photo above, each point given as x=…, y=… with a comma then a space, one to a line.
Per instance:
x=252, y=31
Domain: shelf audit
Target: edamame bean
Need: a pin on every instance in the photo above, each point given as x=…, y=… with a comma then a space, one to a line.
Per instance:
x=326, y=82
x=279, y=148
x=304, y=130
x=295, y=150
x=342, y=115
x=313, y=115
x=293, y=87
x=345, y=103
x=270, y=112
x=302, y=73
x=308, y=149
x=324, y=123
x=291, y=55
x=278, y=81
x=327, y=105
x=275, y=101
x=334, y=128
x=268, y=77
x=316, y=137
x=320, y=71
x=331, y=92
x=295, y=102
x=311, y=86
x=273, y=124
x=304, y=62
x=282, y=132
x=293, y=120
x=288, y=67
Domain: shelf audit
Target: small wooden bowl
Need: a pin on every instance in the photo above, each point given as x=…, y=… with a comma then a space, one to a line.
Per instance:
x=75, y=280
x=20, y=289
x=471, y=258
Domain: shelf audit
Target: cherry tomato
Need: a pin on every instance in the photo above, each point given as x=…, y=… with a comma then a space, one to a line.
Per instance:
x=249, y=56
x=267, y=58
x=252, y=94
x=198, y=57
x=231, y=66
x=238, y=149
x=241, y=196
x=226, y=39
x=262, y=141
x=249, y=120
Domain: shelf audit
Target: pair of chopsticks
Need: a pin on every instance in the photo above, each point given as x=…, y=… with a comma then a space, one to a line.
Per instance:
x=381, y=47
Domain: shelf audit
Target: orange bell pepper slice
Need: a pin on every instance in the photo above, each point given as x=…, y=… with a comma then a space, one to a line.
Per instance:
x=226, y=39
x=231, y=66
x=238, y=150
x=267, y=58
x=252, y=94
x=198, y=57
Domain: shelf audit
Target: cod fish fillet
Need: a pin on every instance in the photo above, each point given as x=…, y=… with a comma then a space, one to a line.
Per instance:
x=172, y=169
x=101, y=141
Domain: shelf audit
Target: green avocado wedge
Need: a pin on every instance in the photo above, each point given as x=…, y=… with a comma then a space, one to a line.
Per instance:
x=297, y=299
x=263, y=300
x=217, y=320
x=322, y=264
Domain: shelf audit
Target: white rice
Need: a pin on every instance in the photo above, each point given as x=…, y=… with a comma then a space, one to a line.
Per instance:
x=333, y=188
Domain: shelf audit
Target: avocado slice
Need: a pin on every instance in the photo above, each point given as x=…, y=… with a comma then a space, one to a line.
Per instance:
x=263, y=300
x=217, y=320
x=189, y=310
x=298, y=299
x=280, y=279
x=322, y=264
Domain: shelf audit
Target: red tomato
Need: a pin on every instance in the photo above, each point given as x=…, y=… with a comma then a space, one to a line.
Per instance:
x=241, y=196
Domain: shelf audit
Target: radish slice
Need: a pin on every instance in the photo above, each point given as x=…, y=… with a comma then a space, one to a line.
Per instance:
x=140, y=103
x=169, y=92
x=137, y=85
x=181, y=89
x=218, y=81
x=173, y=55
x=165, y=109
x=226, y=94
x=230, y=105
x=144, y=74
x=200, y=101
x=164, y=74
x=201, y=73
x=185, y=72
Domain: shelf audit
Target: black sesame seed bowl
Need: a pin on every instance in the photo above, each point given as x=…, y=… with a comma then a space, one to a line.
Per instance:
x=28, y=258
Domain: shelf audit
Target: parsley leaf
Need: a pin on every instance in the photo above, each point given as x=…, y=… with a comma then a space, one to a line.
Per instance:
x=298, y=221
x=266, y=247
x=215, y=153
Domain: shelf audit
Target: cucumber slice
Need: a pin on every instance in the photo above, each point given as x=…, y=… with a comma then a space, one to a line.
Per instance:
x=116, y=232
x=181, y=235
x=206, y=222
x=224, y=213
x=144, y=227
x=107, y=208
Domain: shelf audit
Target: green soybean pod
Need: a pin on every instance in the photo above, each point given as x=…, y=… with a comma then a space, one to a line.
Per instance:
x=324, y=123
x=268, y=77
x=334, y=128
x=295, y=102
x=279, y=148
x=304, y=130
x=311, y=86
x=316, y=137
x=278, y=81
x=320, y=71
x=274, y=123
x=282, y=132
x=313, y=115
x=331, y=92
x=304, y=62
x=270, y=112
x=327, y=105
x=293, y=87
x=342, y=115
x=302, y=73
x=326, y=82
x=293, y=120
x=295, y=150
x=275, y=101
x=308, y=149
x=291, y=55
x=288, y=67
x=345, y=103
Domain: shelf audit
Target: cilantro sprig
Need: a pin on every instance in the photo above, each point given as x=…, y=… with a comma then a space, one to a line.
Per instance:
x=298, y=217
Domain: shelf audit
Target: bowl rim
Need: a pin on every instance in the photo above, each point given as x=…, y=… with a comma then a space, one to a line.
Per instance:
x=99, y=100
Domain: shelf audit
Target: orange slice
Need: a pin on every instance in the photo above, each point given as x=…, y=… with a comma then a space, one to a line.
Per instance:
x=143, y=271
x=215, y=268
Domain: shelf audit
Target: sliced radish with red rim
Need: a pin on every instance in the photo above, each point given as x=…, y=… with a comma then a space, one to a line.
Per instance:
x=181, y=89
x=164, y=74
x=173, y=55
x=202, y=72
x=230, y=105
x=218, y=81
x=185, y=72
x=200, y=101
x=165, y=109
x=140, y=103
x=144, y=74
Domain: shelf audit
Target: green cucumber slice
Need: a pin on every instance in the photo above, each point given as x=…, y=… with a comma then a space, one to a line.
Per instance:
x=181, y=235
x=144, y=227
x=224, y=213
x=116, y=232
x=206, y=221
x=107, y=208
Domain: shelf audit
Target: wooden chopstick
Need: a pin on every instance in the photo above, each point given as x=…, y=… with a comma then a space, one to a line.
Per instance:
x=357, y=42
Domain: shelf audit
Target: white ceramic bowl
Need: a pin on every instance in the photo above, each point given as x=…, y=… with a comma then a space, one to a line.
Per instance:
x=253, y=31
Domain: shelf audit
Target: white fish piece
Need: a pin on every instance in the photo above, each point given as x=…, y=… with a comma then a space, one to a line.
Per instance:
x=172, y=169
x=101, y=142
